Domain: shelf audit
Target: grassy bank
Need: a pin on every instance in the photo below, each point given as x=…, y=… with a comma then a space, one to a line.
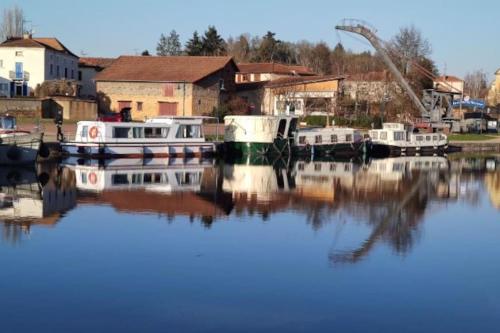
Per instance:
x=472, y=137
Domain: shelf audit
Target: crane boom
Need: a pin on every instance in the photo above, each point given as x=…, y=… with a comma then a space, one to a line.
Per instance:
x=363, y=30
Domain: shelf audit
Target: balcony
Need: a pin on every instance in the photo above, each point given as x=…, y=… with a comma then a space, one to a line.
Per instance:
x=19, y=76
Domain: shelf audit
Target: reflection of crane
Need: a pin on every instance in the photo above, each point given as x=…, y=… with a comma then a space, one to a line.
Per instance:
x=431, y=108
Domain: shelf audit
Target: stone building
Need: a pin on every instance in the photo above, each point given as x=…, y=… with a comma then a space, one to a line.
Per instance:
x=87, y=71
x=293, y=95
x=370, y=87
x=152, y=86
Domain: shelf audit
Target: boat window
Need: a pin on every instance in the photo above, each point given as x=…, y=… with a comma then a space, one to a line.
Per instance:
x=348, y=137
x=300, y=166
x=399, y=136
x=374, y=135
x=119, y=179
x=383, y=135
x=189, y=131
x=85, y=131
x=121, y=132
x=434, y=137
x=137, y=132
x=293, y=127
x=333, y=167
x=347, y=167
x=302, y=139
x=334, y=138
x=419, y=138
x=136, y=178
x=148, y=178
x=317, y=166
x=428, y=138
x=281, y=128
x=9, y=123
x=318, y=139
x=155, y=132
x=84, y=178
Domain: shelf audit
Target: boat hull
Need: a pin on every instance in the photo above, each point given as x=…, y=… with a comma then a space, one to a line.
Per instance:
x=135, y=150
x=382, y=150
x=279, y=147
x=20, y=150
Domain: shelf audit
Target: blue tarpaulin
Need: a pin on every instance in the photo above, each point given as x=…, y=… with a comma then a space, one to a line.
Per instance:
x=471, y=103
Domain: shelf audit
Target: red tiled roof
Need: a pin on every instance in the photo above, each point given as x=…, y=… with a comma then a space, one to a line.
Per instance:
x=50, y=43
x=95, y=62
x=288, y=81
x=448, y=78
x=163, y=69
x=275, y=68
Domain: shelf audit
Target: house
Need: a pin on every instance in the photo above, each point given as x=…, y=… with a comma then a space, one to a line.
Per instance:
x=268, y=71
x=449, y=83
x=28, y=61
x=494, y=92
x=293, y=95
x=87, y=71
x=175, y=85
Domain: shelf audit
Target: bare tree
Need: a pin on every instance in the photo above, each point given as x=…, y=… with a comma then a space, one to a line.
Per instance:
x=475, y=84
x=12, y=23
x=410, y=45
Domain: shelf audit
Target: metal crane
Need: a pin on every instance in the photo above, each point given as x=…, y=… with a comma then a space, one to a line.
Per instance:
x=432, y=113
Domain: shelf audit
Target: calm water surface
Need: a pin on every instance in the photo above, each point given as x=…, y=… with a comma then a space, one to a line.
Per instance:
x=396, y=245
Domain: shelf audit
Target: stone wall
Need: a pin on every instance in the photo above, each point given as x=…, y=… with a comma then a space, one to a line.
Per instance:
x=76, y=109
x=22, y=107
x=370, y=91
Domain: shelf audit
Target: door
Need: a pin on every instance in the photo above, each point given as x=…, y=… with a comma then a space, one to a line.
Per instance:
x=124, y=104
x=167, y=109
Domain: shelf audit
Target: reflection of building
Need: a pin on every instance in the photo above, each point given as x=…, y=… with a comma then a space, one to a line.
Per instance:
x=492, y=181
x=494, y=92
x=25, y=202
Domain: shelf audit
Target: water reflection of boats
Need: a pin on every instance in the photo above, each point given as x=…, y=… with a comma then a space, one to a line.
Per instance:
x=160, y=186
x=162, y=175
x=33, y=196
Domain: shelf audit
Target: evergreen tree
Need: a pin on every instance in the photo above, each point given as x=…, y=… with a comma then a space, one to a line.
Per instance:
x=213, y=44
x=268, y=48
x=194, y=46
x=169, y=45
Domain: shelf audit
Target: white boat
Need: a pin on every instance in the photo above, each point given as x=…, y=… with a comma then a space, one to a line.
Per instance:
x=394, y=139
x=155, y=137
x=259, y=135
x=330, y=141
x=17, y=146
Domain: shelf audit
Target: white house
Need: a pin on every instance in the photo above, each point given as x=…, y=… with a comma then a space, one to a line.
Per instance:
x=87, y=70
x=26, y=62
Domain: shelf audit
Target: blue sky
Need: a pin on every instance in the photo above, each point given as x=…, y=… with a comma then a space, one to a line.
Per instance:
x=463, y=34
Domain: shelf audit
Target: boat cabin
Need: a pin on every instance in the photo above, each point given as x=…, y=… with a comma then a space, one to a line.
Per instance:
x=395, y=134
x=328, y=135
x=172, y=129
x=261, y=129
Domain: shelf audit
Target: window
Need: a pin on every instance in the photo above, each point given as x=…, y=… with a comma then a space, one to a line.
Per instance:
x=155, y=132
x=245, y=78
x=139, y=106
x=84, y=178
x=188, y=131
x=302, y=139
x=256, y=77
x=428, y=138
x=292, y=127
x=121, y=132
x=137, y=132
x=51, y=69
x=19, y=53
x=374, y=135
x=65, y=72
x=317, y=166
x=119, y=179
x=19, y=70
x=72, y=74
x=168, y=90
x=399, y=136
x=85, y=131
x=383, y=135
x=434, y=137
x=281, y=128
x=318, y=139
x=348, y=137
x=79, y=74
x=334, y=138
x=419, y=138
x=57, y=71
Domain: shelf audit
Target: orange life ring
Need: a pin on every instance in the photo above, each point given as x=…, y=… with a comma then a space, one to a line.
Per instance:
x=94, y=131
x=92, y=178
